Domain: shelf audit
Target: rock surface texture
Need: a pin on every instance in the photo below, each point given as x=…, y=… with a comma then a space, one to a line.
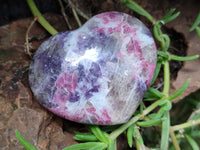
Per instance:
x=97, y=74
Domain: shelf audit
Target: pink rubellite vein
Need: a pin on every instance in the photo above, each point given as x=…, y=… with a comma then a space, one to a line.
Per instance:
x=97, y=74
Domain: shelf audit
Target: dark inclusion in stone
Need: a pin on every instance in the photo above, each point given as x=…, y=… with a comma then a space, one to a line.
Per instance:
x=45, y=69
x=88, y=78
x=95, y=70
x=52, y=65
x=89, y=94
x=74, y=97
x=81, y=72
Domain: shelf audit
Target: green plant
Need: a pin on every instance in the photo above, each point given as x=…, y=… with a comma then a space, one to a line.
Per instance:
x=195, y=26
x=100, y=138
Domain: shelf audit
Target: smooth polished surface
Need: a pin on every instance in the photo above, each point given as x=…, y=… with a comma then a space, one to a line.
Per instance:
x=97, y=74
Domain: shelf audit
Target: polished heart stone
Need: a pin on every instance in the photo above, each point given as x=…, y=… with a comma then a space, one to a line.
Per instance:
x=97, y=74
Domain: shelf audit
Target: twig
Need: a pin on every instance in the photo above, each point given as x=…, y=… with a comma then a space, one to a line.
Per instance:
x=27, y=50
x=179, y=127
x=76, y=17
x=78, y=10
x=41, y=19
x=174, y=140
x=186, y=125
x=193, y=114
x=64, y=14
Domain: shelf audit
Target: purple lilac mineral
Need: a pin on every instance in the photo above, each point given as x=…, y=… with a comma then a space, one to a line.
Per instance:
x=97, y=74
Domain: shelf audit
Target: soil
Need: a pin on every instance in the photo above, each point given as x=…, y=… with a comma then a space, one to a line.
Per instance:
x=18, y=107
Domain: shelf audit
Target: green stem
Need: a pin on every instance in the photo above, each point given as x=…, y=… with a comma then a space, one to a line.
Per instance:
x=130, y=135
x=24, y=142
x=179, y=91
x=162, y=43
x=196, y=23
x=158, y=67
x=198, y=31
x=186, y=125
x=165, y=132
x=41, y=19
x=174, y=140
x=157, y=33
x=115, y=144
x=123, y=127
x=87, y=146
x=137, y=8
x=166, y=79
x=192, y=142
x=98, y=133
x=179, y=58
x=167, y=42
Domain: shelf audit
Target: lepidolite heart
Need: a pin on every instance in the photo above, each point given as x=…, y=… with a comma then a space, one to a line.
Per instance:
x=97, y=74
